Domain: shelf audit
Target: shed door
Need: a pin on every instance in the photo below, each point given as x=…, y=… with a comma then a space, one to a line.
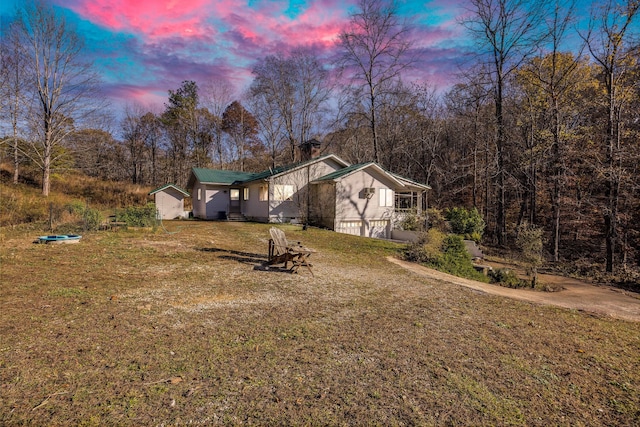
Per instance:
x=350, y=227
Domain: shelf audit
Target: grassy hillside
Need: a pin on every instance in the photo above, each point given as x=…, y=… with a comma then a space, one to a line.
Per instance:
x=133, y=328
x=23, y=203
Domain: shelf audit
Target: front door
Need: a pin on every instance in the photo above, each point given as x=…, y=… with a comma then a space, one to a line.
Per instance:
x=234, y=200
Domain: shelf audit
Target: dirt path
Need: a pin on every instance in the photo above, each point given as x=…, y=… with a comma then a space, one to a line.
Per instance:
x=575, y=295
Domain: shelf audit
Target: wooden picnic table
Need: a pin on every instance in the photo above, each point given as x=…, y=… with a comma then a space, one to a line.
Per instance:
x=281, y=251
x=300, y=258
x=112, y=224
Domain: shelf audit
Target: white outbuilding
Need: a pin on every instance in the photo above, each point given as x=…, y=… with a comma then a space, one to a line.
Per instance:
x=169, y=200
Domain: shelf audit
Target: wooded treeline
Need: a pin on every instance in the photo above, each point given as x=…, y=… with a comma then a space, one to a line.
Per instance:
x=534, y=132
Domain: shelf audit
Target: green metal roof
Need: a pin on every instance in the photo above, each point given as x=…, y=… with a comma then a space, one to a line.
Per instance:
x=227, y=177
x=281, y=169
x=344, y=171
x=214, y=176
x=402, y=181
x=271, y=172
x=410, y=181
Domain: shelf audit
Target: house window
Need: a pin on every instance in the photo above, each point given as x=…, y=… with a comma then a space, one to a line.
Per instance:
x=234, y=194
x=386, y=197
x=246, y=193
x=264, y=193
x=199, y=193
x=405, y=201
x=282, y=192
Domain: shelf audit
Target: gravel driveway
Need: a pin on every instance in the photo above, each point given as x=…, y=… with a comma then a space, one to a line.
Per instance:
x=577, y=295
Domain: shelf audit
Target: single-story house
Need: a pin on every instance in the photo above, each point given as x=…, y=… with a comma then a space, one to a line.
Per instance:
x=325, y=191
x=169, y=200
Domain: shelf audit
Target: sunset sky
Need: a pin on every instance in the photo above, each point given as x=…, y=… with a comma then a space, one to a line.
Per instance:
x=143, y=48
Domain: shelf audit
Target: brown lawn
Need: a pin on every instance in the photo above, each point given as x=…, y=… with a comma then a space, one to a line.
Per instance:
x=139, y=328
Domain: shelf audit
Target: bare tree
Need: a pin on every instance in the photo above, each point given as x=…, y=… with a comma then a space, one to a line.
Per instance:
x=206, y=130
x=133, y=138
x=64, y=84
x=93, y=150
x=426, y=130
x=180, y=123
x=298, y=89
x=375, y=49
x=242, y=127
x=13, y=94
x=216, y=96
x=506, y=32
x=468, y=105
x=554, y=75
x=151, y=130
x=270, y=126
x=608, y=42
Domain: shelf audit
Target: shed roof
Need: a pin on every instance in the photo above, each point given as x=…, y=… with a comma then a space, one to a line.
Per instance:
x=164, y=187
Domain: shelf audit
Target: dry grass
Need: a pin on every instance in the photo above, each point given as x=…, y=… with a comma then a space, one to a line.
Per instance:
x=24, y=204
x=133, y=328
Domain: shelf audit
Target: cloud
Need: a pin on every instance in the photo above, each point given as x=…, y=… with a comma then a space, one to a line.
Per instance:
x=143, y=48
x=147, y=18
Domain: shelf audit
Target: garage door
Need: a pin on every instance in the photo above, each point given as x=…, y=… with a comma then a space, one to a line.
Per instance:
x=379, y=228
x=350, y=227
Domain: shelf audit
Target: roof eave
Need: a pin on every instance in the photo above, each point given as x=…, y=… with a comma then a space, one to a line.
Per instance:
x=309, y=163
x=164, y=187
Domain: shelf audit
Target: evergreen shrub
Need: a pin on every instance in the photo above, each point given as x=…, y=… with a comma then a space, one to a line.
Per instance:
x=138, y=216
x=466, y=222
x=446, y=253
x=507, y=278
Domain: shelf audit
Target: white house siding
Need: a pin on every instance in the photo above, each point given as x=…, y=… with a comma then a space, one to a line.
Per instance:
x=199, y=204
x=353, y=227
x=254, y=208
x=355, y=211
x=170, y=203
x=286, y=210
x=217, y=201
x=379, y=228
x=208, y=201
x=323, y=202
x=323, y=168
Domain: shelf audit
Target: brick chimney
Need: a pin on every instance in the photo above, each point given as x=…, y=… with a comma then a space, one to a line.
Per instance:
x=309, y=150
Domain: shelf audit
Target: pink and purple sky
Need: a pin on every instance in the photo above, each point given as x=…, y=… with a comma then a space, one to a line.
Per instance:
x=143, y=48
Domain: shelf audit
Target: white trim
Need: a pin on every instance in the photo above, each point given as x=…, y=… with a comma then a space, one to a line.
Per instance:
x=386, y=197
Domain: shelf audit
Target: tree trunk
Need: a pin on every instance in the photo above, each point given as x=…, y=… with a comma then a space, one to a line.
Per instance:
x=611, y=212
x=501, y=220
x=16, y=161
x=16, y=157
x=46, y=159
x=46, y=176
x=555, y=193
x=374, y=131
